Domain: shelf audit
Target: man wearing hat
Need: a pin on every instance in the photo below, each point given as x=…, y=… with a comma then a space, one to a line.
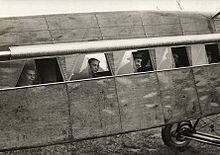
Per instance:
x=137, y=61
x=142, y=61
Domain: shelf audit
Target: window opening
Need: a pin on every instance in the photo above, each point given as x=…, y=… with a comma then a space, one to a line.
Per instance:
x=40, y=71
x=142, y=61
x=92, y=66
x=212, y=52
x=48, y=70
x=180, y=57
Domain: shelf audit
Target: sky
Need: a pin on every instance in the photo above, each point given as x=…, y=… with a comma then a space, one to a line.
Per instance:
x=12, y=8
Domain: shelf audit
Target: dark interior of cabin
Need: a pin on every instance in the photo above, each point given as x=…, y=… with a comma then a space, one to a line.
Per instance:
x=180, y=57
x=212, y=52
x=48, y=70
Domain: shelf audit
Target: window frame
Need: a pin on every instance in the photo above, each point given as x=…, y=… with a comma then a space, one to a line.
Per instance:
x=218, y=46
x=153, y=60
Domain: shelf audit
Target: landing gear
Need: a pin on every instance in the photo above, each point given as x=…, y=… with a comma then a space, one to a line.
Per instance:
x=179, y=135
x=171, y=135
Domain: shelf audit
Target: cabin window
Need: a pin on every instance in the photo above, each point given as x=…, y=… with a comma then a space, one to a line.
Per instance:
x=132, y=61
x=212, y=52
x=90, y=66
x=142, y=61
x=40, y=71
x=180, y=57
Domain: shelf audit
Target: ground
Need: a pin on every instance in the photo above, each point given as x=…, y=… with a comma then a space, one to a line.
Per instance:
x=145, y=142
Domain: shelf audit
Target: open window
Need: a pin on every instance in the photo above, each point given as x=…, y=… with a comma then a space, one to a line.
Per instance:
x=90, y=66
x=180, y=57
x=212, y=52
x=142, y=61
x=132, y=61
x=40, y=71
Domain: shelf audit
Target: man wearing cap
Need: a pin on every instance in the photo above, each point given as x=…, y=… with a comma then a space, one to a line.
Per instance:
x=137, y=61
x=142, y=62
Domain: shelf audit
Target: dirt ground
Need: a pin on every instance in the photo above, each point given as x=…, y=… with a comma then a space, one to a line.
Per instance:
x=147, y=142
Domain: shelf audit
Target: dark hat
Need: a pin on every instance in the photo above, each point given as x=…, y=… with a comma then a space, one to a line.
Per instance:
x=137, y=55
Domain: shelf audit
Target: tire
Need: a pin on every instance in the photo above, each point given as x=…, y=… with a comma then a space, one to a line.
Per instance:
x=172, y=139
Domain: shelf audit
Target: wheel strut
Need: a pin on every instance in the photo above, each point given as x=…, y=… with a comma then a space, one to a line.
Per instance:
x=179, y=137
x=201, y=137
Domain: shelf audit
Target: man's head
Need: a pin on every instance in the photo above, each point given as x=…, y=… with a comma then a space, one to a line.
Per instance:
x=29, y=75
x=137, y=60
x=176, y=58
x=209, y=56
x=94, y=65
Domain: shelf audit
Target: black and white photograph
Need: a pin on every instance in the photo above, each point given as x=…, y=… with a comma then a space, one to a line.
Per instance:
x=114, y=77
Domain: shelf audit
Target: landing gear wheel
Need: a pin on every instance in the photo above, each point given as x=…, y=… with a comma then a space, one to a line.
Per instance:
x=172, y=138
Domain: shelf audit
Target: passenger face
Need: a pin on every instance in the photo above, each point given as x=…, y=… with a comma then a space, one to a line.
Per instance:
x=209, y=59
x=176, y=57
x=94, y=66
x=137, y=62
x=30, y=76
